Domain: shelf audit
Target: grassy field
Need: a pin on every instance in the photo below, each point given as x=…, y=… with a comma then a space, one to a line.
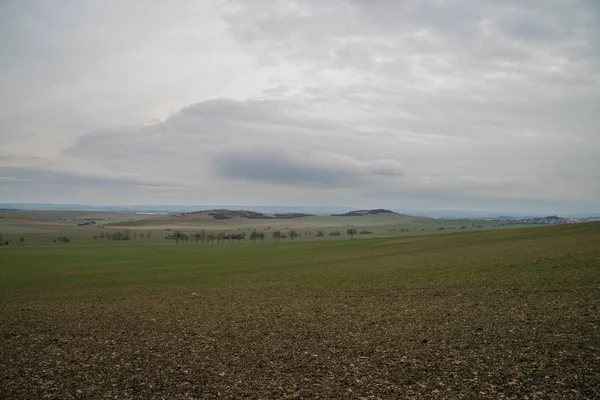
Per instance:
x=482, y=314
x=40, y=228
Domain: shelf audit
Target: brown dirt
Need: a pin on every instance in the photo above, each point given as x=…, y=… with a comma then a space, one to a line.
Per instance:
x=360, y=344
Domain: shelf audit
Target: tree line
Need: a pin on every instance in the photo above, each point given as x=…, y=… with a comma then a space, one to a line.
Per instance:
x=204, y=236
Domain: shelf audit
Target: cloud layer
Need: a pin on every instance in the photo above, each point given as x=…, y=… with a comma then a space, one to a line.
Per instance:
x=285, y=166
x=453, y=104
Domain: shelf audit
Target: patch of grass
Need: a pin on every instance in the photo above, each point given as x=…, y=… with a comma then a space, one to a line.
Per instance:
x=491, y=314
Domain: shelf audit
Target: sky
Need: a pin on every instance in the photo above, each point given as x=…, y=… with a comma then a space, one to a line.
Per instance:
x=409, y=104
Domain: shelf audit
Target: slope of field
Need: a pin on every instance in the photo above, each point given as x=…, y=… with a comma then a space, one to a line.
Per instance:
x=43, y=227
x=491, y=314
x=380, y=222
x=33, y=221
x=62, y=215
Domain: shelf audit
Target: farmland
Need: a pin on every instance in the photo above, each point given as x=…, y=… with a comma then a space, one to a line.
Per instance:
x=43, y=227
x=485, y=313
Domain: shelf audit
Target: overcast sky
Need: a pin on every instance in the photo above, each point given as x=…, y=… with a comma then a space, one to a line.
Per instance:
x=440, y=104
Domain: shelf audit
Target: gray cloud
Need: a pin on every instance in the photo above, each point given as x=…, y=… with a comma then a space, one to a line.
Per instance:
x=395, y=103
x=47, y=177
x=479, y=48
x=293, y=167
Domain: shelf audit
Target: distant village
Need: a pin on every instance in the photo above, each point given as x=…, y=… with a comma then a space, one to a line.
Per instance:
x=550, y=220
x=509, y=220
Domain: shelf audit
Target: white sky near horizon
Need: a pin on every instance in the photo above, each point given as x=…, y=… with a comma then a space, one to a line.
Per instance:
x=440, y=104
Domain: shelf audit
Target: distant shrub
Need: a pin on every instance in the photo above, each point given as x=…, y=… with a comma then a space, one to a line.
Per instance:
x=335, y=233
x=365, y=232
x=118, y=235
x=218, y=215
x=320, y=233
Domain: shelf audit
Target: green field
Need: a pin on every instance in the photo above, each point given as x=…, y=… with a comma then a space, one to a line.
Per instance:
x=41, y=228
x=482, y=314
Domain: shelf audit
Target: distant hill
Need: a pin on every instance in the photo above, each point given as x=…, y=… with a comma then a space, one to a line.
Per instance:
x=229, y=214
x=282, y=210
x=360, y=213
x=177, y=209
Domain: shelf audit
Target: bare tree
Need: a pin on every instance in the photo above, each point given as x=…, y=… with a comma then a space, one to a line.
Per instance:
x=276, y=236
x=293, y=234
x=177, y=236
x=351, y=232
x=254, y=235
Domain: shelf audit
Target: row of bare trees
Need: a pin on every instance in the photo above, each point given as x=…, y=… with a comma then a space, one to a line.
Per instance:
x=121, y=235
x=205, y=237
x=220, y=237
